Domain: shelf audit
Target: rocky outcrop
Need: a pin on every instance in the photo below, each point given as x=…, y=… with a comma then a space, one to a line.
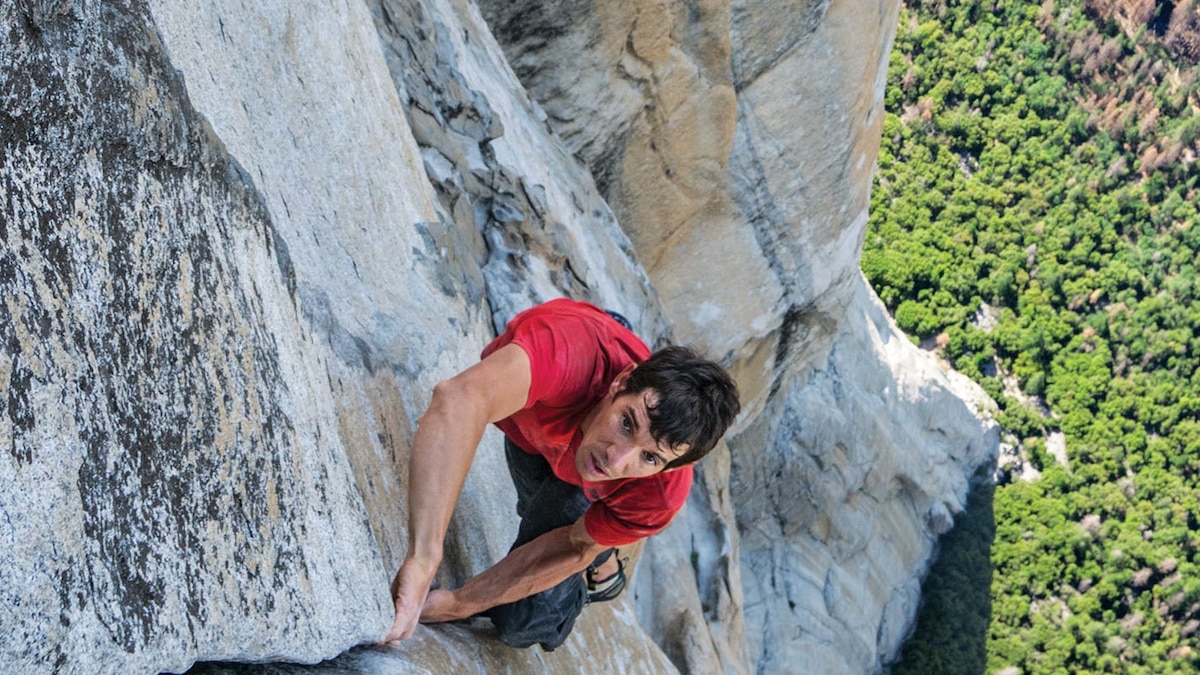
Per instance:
x=859, y=471
x=241, y=242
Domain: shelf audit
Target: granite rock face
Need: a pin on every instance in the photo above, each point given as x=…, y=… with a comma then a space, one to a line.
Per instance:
x=857, y=473
x=164, y=470
x=242, y=241
x=230, y=285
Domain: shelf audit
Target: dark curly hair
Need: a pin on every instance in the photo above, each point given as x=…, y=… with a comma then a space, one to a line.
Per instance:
x=697, y=400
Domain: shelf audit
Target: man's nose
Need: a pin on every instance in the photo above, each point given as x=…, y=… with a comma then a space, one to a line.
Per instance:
x=619, y=454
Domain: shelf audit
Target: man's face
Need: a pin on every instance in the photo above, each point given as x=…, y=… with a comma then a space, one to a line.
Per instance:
x=616, y=438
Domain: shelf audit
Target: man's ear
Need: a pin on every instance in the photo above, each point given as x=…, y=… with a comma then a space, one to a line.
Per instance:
x=619, y=381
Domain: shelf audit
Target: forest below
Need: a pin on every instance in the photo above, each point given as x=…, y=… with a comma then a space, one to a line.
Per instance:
x=1034, y=221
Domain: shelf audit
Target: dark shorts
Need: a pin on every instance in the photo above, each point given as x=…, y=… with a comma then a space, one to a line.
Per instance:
x=544, y=503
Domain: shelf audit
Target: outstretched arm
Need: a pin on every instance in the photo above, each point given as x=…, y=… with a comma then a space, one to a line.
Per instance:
x=444, y=446
x=530, y=568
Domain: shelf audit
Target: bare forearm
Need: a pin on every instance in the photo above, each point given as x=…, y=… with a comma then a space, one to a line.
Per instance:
x=443, y=448
x=441, y=456
x=528, y=569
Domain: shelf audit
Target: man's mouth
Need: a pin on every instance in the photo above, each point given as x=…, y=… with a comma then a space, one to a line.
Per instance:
x=595, y=466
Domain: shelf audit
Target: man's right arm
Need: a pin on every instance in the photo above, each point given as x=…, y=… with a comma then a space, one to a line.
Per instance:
x=443, y=448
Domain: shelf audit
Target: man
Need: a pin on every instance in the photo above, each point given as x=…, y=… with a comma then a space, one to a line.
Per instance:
x=600, y=439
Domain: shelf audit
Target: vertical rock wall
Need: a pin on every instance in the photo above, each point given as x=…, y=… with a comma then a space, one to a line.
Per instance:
x=172, y=481
x=235, y=264
x=241, y=241
x=856, y=473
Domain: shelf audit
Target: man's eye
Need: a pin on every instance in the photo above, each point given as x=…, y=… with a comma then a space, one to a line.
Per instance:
x=626, y=423
x=650, y=457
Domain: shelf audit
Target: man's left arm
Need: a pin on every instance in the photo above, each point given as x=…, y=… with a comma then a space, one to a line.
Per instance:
x=528, y=569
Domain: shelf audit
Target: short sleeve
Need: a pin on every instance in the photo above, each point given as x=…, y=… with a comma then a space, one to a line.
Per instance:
x=642, y=508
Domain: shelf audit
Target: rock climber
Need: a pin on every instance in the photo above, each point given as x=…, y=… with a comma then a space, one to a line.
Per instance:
x=600, y=439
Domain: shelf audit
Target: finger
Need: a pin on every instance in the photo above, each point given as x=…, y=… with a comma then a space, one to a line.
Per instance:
x=398, y=633
x=404, y=623
x=409, y=590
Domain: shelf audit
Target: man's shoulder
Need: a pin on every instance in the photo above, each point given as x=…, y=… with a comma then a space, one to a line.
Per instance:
x=573, y=330
x=563, y=308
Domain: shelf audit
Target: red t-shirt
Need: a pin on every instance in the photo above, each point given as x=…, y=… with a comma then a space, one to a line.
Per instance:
x=575, y=352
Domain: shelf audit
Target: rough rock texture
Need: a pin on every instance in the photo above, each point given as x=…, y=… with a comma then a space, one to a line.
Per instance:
x=228, y=293
x=241, y=242
x=859, y=471
x=173, y=478
x=730, y=145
